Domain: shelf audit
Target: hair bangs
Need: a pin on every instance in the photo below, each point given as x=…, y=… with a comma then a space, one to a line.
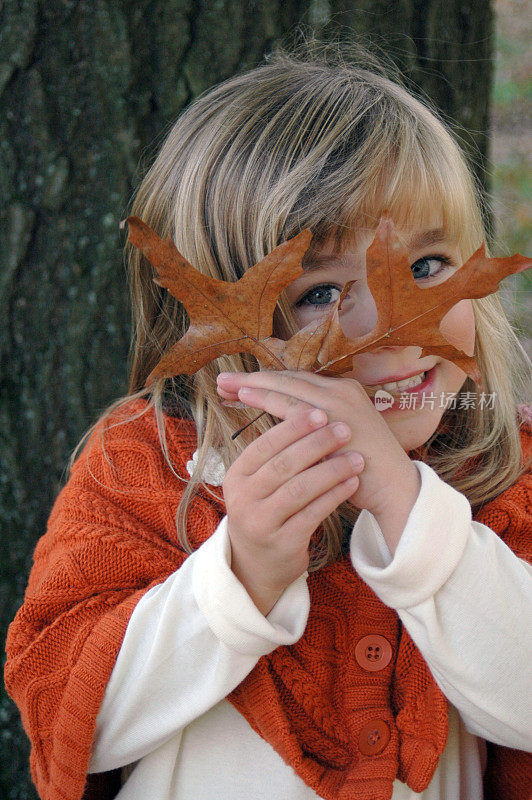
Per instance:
x=422, y=182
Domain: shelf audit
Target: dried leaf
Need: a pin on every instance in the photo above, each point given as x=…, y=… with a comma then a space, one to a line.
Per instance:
x=409, y=314
x=227, y=318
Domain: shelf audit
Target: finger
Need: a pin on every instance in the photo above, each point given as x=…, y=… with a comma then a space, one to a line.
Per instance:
x=274, y=441
x=230, y=380
x=286, y=394
x=312, y=515
x=315, y=378
x=296, y=383
x=308, y=486
x=276, y=403
x=299, y=457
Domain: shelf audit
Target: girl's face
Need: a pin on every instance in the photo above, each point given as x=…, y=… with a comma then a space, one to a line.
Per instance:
x=433, y=257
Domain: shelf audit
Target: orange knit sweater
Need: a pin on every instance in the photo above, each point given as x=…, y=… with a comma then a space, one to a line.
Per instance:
x=111, y=536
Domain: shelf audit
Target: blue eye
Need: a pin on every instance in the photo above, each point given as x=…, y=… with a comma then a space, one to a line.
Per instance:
x=322, y=295
x=421, y=268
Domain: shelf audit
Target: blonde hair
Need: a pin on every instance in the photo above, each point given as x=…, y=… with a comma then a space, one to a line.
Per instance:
x=311, y=139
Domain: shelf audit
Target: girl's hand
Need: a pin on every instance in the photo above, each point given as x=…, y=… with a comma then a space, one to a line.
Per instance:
x=277, y=493
x=390, y=482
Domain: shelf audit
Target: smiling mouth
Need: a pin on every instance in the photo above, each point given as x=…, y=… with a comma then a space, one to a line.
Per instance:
x=397, y=387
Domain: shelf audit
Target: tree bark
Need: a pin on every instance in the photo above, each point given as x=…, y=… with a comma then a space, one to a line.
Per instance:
x=444, y=48
x=87, y=90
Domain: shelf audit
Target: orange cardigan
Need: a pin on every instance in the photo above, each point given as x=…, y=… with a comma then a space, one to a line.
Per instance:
x=111, y=536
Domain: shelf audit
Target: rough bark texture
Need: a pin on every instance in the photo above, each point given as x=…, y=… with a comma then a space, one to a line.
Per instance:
x=87, y=90
x=444, y=47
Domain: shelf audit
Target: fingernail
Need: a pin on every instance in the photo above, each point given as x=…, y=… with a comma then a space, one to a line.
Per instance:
x=222, y=376
x=318, y=417
x=244, y=390
x=355, y=459
x=341, y=431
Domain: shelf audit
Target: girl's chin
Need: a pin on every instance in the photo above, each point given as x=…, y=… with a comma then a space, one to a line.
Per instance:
x=411, y=440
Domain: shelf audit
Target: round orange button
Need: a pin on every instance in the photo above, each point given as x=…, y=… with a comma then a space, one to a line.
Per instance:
x=374, y=737
x=373, y=652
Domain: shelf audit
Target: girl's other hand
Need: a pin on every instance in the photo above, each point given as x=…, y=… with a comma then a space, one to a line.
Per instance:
x=390, y=482
x=277, y=492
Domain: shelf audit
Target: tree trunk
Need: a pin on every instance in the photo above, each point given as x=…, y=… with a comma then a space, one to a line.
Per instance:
x=444, y=48
x=87, y=90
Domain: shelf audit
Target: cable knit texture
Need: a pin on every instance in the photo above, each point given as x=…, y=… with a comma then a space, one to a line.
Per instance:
x=111, y=536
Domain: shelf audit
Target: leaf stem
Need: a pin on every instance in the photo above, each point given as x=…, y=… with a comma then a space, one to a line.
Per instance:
x=251, y=422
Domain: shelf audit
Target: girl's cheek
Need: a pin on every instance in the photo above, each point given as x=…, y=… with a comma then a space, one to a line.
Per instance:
x=458, y=326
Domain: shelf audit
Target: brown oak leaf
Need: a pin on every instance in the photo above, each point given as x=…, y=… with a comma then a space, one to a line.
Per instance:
x=228, y=318
x=225, y=317
x=409, y=314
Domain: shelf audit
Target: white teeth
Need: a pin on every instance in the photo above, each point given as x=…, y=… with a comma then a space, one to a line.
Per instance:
x=400, y=386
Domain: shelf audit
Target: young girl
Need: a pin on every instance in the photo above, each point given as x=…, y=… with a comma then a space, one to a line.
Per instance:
x=335, y=603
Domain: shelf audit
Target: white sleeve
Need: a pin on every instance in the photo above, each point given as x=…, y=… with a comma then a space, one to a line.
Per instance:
x=190, y=641
x=466, y=601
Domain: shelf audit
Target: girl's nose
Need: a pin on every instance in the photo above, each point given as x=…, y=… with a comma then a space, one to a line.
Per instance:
x=358, y=316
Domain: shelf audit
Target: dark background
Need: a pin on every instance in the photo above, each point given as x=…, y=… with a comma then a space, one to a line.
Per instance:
x=88, y=90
